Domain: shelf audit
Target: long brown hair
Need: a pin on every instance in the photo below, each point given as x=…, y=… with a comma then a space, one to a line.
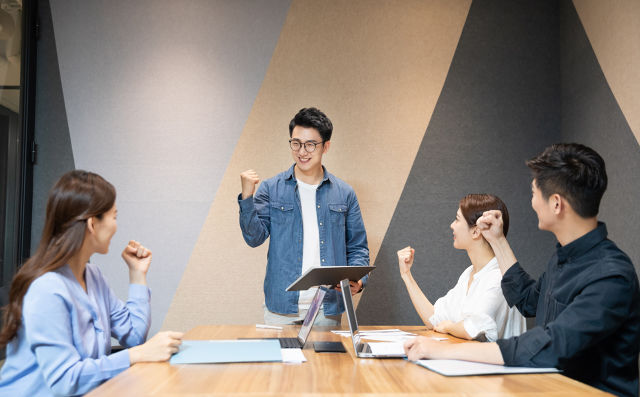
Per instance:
x=77, y=196
x=473, y=206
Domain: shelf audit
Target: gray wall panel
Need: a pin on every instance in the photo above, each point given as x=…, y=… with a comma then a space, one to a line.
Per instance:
x=157, y=93
x=499, y=106
x=51, y=129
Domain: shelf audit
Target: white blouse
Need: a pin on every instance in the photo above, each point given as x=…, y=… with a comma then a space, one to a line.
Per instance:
x=483, y=307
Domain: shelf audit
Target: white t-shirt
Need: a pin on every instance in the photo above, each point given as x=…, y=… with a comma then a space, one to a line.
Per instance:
x=311, y=239
x=483, y=308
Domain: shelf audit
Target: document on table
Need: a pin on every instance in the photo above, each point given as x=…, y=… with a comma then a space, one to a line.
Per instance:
x=293, y=356
x=389, y=331
x=384, y=335
x=227, y=351
x=466, y=368
x=388, y=338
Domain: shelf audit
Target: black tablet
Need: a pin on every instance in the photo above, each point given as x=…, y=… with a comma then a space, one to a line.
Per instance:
x=329, y=347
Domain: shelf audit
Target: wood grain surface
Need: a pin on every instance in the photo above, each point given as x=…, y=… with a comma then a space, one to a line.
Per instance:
x=324, y=374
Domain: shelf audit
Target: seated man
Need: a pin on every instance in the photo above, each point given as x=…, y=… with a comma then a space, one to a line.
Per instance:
x=586, y=304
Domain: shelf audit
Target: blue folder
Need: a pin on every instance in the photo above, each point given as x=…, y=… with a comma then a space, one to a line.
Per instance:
x=227, y=351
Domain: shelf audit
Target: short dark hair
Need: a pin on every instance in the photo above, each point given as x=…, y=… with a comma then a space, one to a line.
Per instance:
x=575, y=172
x=312, y=118
x=473, y=206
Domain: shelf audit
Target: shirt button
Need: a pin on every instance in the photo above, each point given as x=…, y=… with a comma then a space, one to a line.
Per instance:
x=318, y=206
x=282, y=208
x=323, y=260
x=321, y=241
x=320, y=223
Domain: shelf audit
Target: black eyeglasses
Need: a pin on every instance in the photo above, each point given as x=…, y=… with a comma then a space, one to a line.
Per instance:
x=309, y=146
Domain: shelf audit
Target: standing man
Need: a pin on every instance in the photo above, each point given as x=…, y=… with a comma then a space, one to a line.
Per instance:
x=586, y=304
x=313, y=219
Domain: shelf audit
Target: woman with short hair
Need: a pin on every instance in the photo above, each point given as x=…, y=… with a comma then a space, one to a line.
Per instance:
x=475, y=307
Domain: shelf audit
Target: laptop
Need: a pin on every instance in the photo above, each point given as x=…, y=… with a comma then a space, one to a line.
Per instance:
x=299, y=341
x=364, y=349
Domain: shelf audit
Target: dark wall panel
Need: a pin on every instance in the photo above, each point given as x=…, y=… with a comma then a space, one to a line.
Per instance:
x=51, y=129
x=591, y=115
x=499, y=106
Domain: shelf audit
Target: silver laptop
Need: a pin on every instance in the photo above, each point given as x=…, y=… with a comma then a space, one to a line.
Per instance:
x=364, y=349
x=299, y=341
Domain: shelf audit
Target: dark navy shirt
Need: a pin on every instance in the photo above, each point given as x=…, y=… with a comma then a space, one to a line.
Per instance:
x=587, y=308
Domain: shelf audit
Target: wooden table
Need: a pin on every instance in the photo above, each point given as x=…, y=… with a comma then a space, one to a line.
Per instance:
x=323, y=374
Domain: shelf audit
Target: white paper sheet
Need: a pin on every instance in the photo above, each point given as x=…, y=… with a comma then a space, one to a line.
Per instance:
x=376, y=333
x=389, y=338
x=293, y=356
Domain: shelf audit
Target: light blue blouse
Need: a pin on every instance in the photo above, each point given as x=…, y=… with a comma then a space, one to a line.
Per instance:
x=64, y=343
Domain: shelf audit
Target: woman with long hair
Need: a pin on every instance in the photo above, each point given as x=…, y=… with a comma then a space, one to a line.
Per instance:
x=475, y=307
x=61, y=315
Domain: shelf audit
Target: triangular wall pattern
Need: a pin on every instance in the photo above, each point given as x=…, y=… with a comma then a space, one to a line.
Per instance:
x=592, y=115
x=498, y=107
x=51, y=129
x=377, y=70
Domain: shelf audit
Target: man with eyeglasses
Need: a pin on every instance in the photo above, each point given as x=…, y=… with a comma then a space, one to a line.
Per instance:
x=313, y=219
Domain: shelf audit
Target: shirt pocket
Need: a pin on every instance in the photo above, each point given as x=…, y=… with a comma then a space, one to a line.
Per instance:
x=281, y=213
x=338, y=214
x=554, y=308
x=557, y=307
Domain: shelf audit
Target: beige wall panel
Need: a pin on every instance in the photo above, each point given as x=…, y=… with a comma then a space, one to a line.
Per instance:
x=613, y=28
x=376, y=68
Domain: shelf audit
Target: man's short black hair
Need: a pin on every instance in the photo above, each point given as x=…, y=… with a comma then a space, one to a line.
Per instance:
x=312, y=118
x=575, y=172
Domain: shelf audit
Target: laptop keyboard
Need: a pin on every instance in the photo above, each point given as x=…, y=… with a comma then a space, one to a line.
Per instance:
x=289, y=343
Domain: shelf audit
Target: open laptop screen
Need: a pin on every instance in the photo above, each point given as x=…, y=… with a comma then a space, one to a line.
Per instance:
x=364, y=350
x=312, y=313
x=351, y=313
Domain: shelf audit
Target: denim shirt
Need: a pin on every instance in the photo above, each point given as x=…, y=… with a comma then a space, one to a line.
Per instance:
x=587, y=309
x=275, y=211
